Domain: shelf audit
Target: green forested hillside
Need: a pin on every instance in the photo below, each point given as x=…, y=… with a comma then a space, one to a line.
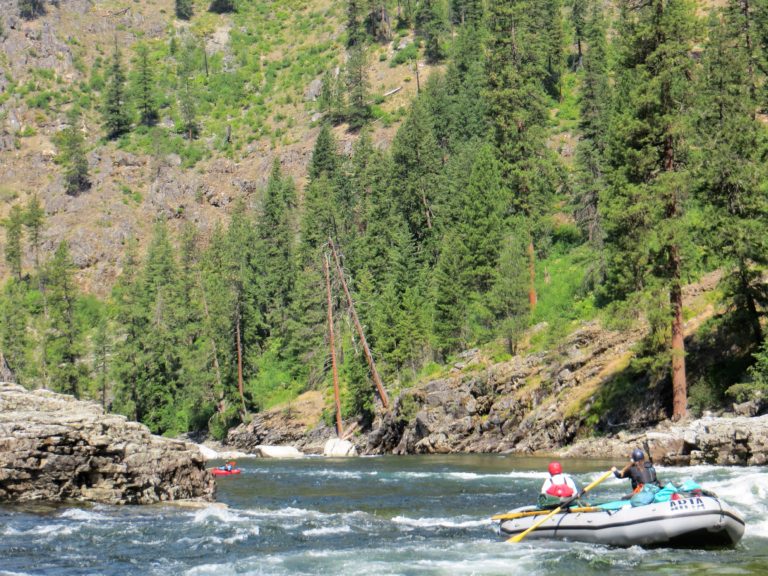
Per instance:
x=565, y=159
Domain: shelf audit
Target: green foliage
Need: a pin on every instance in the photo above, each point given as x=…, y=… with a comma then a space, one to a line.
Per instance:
x=114, y=109
x=184, y=9
x=408, y=54
x=13, y=234
x=72, y=157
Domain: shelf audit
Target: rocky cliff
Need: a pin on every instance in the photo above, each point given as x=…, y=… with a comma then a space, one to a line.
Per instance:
x=538, y=403
x=56, y=448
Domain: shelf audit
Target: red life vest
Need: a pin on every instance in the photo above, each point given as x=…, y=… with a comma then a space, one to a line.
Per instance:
x=560, y=491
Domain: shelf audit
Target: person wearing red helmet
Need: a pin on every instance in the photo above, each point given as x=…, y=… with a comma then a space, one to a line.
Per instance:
x=557, y=488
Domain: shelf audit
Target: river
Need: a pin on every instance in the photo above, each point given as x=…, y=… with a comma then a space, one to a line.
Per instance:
x=408, y=515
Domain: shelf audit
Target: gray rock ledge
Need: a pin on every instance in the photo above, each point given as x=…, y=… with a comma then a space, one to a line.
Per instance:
x=56, y=448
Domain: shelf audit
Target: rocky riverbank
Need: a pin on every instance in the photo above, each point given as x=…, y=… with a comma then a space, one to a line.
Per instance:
x=56, y=448
x=537, y=403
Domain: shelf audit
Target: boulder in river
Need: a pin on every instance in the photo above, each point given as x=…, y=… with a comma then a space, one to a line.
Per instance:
x=56, y=448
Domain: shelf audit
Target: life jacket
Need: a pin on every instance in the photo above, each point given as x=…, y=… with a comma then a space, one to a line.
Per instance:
x=559, y=488
x=643, y=475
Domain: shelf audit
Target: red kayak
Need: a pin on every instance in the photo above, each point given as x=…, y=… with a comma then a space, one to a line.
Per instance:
x=220, y=472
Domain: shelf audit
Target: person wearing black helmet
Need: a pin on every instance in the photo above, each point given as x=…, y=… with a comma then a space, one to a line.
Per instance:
x=638, y=471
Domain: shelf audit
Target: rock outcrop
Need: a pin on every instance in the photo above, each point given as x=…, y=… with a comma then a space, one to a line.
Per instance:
x=730, y=441
x=56, y=448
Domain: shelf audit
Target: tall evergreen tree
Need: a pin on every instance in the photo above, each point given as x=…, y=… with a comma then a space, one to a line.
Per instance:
x=13, y=233
x=430, y=25
x=733, y=172
x=325, y=156
x=276, y=238
x=34, y=220
x=508, y=298
x=450, y=295
x=145, y=86
x=646, y=229
x=187, y=94
x=64, y=342
x=481, y=218
x=72, y=157
x=417, y=162
x=14, y=338
x=355, y=28
x=115, y=110
x=591, y=163
x=358, y=110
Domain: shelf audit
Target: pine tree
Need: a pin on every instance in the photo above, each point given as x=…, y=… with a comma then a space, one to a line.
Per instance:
x=467, y=12
x=63, y=345
x=591, y=162
x=72, y=157
x=358, y=110
x=645, y=226
x=184, y=9
x=145, y=86
x=13, y=233
x=450, y=295
x=186, y=90
x=579, y=11
x=325, y=156
x=14, y=337
x=34, y=220
x=417, y=162
x=430, y=25
x=355, y=29
x=481, y=218
x=115, y=111
x=276, y=238
x=508, y=298
x=732, y=173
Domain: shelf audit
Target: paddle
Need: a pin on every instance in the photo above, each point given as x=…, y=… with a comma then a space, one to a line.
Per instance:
x=565, y=504
x=514, y=515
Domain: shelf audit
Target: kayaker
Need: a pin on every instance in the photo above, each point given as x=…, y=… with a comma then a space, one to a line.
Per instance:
x=638, y=471
x=229, y=466
x=557, y=488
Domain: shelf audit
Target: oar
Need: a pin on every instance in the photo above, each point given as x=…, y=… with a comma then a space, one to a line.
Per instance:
x=514, y=515
x=538, y=523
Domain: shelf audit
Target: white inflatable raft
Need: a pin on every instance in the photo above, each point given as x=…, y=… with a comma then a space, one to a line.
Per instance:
x=693, y=522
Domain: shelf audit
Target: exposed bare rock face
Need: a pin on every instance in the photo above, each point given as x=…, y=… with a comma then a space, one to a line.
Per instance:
x=727, y=441
x=56, y=448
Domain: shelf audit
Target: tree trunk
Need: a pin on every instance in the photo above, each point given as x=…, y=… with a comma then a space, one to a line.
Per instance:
x=240, y=364
x=679, y=384
x=332, y=343
x=532, y=273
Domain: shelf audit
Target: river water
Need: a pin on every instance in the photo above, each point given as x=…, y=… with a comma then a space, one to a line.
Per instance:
x=408, y=515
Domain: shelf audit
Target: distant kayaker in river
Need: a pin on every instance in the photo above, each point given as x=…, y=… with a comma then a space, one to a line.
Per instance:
x=228, y=466
x=638, y=470
x=557, y=488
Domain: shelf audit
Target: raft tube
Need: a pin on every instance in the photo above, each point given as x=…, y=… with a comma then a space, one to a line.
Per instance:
x=693, y=522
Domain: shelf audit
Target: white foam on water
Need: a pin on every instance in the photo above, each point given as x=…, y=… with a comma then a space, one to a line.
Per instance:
x=206, y=569
x=54, y=529
x=84, y=515
x=215, y=513
x=439, y=522
x=327, y=531
x=6, y=573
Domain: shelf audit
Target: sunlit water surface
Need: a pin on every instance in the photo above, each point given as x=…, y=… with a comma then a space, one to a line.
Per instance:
x=364, y=516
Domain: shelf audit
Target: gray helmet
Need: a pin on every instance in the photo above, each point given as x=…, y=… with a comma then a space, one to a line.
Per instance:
x=637, y=455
